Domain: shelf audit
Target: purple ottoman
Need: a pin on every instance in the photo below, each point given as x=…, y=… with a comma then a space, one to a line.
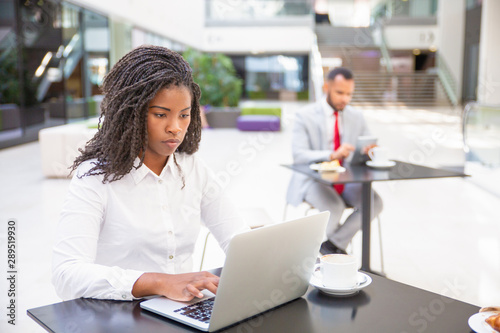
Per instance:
x=258, y=123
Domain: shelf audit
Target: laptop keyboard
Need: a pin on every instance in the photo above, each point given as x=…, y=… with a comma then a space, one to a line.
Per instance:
x=200, y=311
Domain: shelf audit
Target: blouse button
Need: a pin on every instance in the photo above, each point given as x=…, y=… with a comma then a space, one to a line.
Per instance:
x=160, y=181
x=170, y=257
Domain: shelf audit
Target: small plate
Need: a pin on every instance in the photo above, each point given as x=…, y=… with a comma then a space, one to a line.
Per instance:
x=321, y=168
x=316, y=281
x=478, y=322
x=384, y=165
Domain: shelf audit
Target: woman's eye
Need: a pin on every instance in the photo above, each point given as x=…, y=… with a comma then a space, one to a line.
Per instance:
x=160, y=115
x=185, y=115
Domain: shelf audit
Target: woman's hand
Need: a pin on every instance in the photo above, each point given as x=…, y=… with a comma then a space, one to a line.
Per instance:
x=179, y=287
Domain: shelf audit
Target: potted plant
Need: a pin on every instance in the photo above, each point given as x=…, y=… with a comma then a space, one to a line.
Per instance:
x=10, y=90
x=220, y=87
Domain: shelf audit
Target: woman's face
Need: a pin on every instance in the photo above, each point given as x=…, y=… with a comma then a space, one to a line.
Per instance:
x=169, y=115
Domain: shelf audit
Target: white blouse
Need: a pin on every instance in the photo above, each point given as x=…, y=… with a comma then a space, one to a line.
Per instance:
x=110, y=234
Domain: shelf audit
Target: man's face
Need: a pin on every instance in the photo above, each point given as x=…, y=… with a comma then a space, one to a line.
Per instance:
x=339, y=92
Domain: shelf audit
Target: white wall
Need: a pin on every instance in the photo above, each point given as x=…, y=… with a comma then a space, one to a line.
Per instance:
x=411, y=37
x=350, y=13
x=257, y=39
x=180, y=20
x=451, y=30
x=184, y=21
x=119, y=45
x=489, y=49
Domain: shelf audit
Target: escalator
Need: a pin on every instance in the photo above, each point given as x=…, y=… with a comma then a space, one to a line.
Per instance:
x=57, y=67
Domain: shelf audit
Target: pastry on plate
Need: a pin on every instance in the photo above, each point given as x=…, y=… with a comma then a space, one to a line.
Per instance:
x=330, y=164
x=494, y=321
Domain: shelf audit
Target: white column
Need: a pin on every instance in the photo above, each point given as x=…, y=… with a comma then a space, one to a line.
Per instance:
x=121, y=40
x=451, y=30
x=488, y=90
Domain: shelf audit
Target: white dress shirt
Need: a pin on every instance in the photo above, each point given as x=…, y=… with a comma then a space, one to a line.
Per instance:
x=110, y=234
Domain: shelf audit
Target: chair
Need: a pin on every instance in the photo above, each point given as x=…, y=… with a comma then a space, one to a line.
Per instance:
x=311, y=207
x=256, y=218
x=206, y=242
x=204, y=251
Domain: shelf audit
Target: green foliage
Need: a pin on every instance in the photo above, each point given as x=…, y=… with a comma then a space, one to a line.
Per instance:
x=303, y=95
x=256, y=95
x=217, y=78
x=9, y=82
x=261, y=111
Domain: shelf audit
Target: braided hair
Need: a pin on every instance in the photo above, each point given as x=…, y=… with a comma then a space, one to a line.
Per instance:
x=128, y=88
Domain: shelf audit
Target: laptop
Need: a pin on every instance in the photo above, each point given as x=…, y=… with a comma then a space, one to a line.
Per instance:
x=264, y=268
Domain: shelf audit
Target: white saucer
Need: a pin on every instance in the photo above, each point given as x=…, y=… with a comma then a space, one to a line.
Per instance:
x=478, y=322
x=316, y=281
x=383, y=165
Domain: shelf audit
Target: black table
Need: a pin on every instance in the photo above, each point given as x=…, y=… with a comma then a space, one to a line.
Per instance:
x=383, y=306
x=366, y=175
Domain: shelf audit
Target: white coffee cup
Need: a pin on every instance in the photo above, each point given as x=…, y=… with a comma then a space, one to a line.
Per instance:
x=339, y=271
x=378, y=155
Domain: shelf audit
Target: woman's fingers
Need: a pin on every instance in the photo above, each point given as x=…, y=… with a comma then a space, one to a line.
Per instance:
x=193, y=291
x=209, y=283
x=212, y=285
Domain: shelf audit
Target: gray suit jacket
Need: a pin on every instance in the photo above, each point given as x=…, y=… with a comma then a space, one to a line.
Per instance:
x=310, y=144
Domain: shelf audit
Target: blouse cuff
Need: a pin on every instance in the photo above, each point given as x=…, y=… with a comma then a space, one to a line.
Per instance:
x=126, y=284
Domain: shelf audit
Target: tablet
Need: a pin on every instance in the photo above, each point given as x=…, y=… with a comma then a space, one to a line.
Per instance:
x=363, y=141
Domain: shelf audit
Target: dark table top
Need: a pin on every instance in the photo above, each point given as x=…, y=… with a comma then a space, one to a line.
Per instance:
x=383, y=306
x=363, y=173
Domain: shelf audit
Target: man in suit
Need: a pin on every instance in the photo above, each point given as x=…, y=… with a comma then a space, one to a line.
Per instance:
x=325, y=131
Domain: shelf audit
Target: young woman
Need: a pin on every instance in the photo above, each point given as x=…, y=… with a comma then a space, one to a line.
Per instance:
x=133, y=211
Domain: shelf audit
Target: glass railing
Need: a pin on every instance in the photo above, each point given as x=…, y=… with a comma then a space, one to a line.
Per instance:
x=380, y=40
x=481, y=134
x=447, y=79
x=241, y=12
x=406, y=12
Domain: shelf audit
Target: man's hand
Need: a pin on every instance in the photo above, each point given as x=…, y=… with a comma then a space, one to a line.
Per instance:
x=342, y=152
x=179, y=287
x=366, y=149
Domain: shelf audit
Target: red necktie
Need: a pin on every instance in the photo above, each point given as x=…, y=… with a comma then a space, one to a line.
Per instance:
x=336, y=144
